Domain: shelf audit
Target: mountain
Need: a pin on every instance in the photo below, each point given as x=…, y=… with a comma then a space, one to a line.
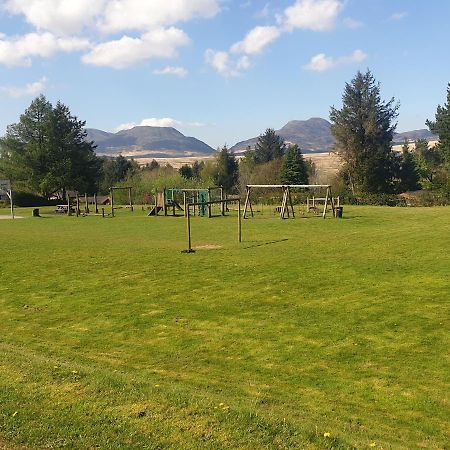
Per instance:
x=414, y=135
x=146, y=142
x=312, y=136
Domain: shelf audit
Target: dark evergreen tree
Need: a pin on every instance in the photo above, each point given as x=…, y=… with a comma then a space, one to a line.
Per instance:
x=47, y=151
x=114, y=171
x=408, y=172
x=154, y=165
x=186, y=171
x=294, y=169
x=227, y=169
x=23, y=150
x=441, y=127
x=197, y=168
x=364, y=129
x=269, y=146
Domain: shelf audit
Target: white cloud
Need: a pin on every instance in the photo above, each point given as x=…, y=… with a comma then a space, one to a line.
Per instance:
x=180, y=72
x=145, y=14
x=352, y=23
x=162, y=122
x=315, y=15
x=127, y=51
x=58, y=16
x=18, y=51
x=398, y=15
x=322, y=62
x=256, y=40
x=29, y=89
x=226, y=66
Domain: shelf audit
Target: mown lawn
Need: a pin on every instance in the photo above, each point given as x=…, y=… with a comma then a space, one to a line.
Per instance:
x=310, y=334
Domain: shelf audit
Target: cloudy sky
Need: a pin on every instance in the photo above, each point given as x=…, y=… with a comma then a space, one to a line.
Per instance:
x=221, y=70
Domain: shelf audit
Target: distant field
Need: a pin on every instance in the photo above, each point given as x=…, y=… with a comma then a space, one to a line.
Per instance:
x=327, y=164
x=311, y=334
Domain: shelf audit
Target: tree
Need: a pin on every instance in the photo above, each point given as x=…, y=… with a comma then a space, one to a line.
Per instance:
x=294, y=169
x=441, y=127
x=269, y=146
x=154, y=165
x=47, y=151
x=115, y=170
x=429, y=162
x=364, y=130
x=185, y=171
x=227, y=169
x=408, y=172
x=197, y=168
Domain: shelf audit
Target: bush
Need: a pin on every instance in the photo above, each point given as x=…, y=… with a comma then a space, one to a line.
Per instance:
x=24, y=199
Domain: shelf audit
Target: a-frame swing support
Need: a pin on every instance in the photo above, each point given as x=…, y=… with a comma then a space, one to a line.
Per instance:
x=286, y=204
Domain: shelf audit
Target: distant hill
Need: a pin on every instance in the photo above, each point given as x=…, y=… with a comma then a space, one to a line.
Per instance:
x=314, y=136
x=139, y=140
x=414, y=135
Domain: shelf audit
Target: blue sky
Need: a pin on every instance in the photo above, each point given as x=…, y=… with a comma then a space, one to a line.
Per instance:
x=219, y=70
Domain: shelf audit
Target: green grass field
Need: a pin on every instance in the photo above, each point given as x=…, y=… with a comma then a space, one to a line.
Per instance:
x=312, y=333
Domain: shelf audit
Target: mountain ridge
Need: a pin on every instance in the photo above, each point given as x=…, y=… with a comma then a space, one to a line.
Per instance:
x=147, y=139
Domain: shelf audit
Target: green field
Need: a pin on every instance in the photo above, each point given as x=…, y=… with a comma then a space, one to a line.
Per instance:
x=310, y=334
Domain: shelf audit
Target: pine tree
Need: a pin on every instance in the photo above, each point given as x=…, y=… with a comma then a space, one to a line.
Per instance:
x=47, y=151
x=269, y=146
x=294, y=169
x=408, y=171
x=441, y=127
x=364, y=129
x=227, y=169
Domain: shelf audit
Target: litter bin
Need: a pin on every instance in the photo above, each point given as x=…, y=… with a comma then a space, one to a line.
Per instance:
x=338, y=212
x=36, y=212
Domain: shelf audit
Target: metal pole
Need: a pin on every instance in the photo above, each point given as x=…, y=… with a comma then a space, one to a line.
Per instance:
x=12, y=203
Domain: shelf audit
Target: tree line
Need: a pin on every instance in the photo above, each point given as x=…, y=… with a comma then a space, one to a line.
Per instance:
x=47, y=153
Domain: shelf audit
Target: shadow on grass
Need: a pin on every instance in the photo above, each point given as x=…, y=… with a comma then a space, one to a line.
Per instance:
x=262, y=243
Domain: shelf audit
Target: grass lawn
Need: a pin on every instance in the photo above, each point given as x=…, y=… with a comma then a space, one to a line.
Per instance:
x=310, y=334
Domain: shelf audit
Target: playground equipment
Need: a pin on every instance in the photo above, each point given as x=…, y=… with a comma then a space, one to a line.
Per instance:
x=130, y=197
x=74, y=202
x=313, y=202
x=170, y=199
x=287, y=206
x=222, y=203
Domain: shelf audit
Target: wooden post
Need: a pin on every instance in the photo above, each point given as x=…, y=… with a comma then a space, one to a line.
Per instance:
x=165, y=202
x=247, y=199
x=69, y=212
x=223, y=205
x=290, y=202
x=103, y=212
x=184, y=203
x=130, y=199
x=332, y=201
x=95, y=204
x=189, y=230
x=156, y=203
x=112, y=202
x=283, y=203
x=325, y=206
x=86, y=203
x=209, y=205
x=78, y=205
x=314, y=201
x=239, y=221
